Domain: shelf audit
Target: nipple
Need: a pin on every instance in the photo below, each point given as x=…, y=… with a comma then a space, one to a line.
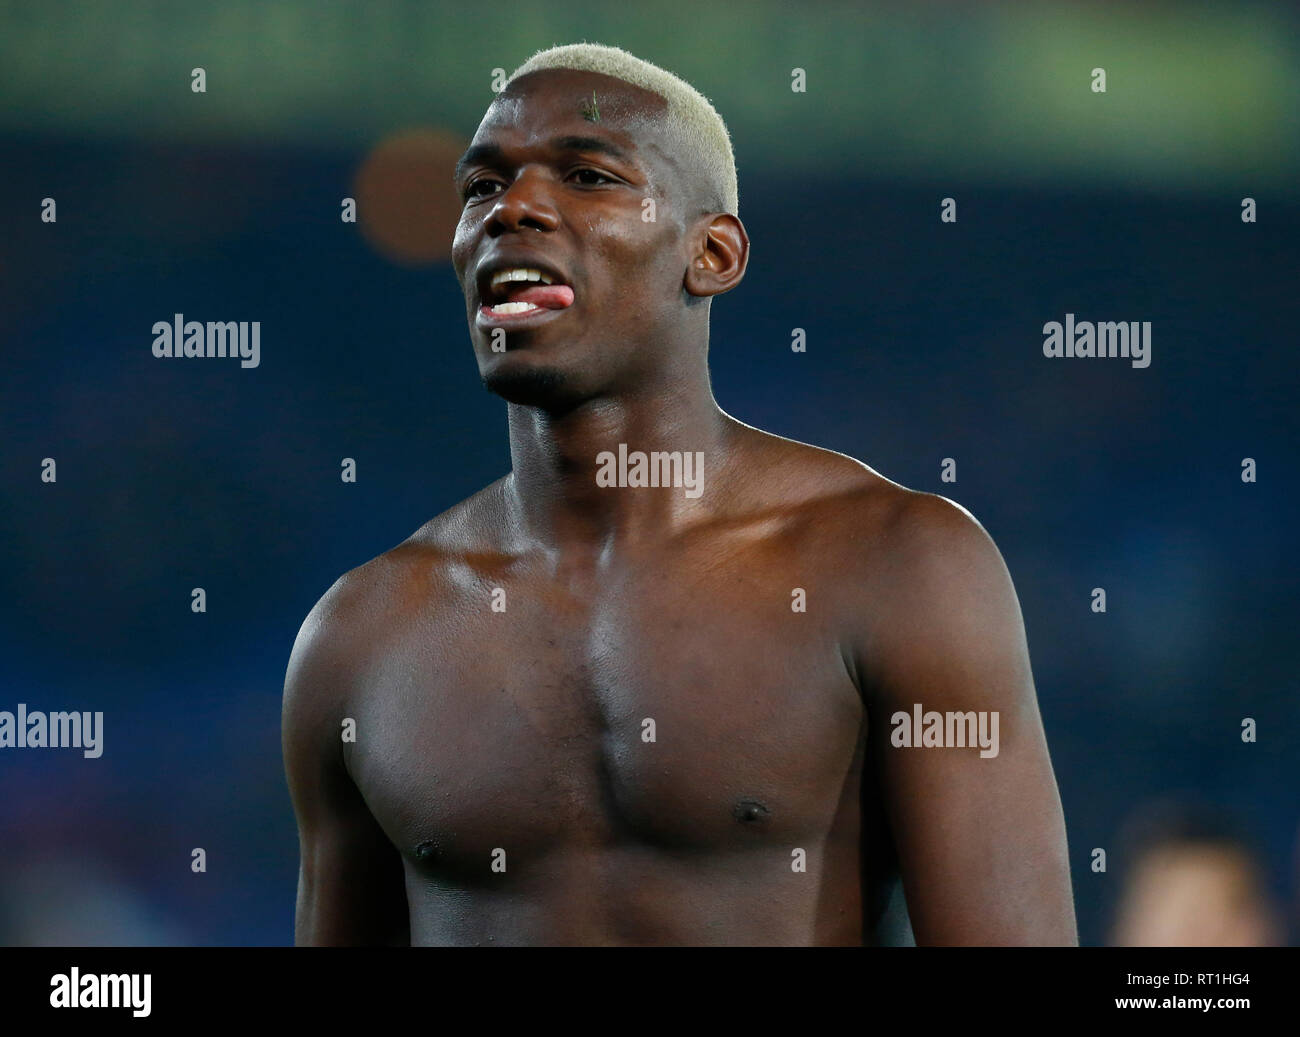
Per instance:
x=750, y=812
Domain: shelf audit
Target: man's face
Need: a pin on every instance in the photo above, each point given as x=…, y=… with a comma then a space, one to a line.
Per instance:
x=557, y=179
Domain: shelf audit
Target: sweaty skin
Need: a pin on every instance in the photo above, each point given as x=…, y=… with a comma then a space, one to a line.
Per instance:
x=505, y=784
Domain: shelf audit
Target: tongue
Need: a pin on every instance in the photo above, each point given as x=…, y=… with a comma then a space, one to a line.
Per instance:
x=547, y=296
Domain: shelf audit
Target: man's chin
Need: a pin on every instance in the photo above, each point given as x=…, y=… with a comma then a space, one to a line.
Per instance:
x=546, y=387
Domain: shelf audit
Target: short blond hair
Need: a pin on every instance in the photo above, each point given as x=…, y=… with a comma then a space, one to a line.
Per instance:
x=691, y=118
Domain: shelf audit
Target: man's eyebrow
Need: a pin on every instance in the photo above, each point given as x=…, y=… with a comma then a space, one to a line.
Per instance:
x=475, y=154
x=491, y=153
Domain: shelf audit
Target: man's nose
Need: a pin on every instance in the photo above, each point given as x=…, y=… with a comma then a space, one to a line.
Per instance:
x=525, y=203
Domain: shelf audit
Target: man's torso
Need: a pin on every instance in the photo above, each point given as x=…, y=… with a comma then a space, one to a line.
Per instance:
x=664, y=748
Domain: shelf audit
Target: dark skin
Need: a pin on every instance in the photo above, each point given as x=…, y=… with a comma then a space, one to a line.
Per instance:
x=522, y=733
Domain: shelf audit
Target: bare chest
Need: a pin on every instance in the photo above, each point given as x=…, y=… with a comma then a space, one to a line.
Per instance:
x=677, y=709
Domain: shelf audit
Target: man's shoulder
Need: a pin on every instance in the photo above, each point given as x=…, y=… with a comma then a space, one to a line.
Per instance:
x=914, y=578
x=465, y=530
x=372, y=601
x=916, y=546
x=879, y=530
x=863, y=503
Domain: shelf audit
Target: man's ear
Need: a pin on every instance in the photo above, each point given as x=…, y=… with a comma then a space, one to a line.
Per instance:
x=720, y=261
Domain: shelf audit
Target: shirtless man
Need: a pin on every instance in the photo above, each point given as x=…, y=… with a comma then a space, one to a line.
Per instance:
x=595, y=714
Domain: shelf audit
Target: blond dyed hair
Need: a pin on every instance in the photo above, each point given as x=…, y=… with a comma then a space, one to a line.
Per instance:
x=690, y=118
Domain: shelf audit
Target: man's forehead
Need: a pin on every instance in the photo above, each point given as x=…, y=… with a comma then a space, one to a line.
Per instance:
x=544, y=101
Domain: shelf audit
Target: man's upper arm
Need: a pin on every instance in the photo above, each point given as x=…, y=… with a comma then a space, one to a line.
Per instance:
x=351, y=887
x=980, y=838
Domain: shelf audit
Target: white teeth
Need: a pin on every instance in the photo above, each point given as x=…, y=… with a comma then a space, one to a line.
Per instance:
x=513, y=307
x=520, y=273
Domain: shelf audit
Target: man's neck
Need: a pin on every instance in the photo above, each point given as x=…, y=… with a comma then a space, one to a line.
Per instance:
x=554, y=495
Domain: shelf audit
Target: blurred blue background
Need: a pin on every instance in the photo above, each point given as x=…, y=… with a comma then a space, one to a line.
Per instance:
x=225, y=205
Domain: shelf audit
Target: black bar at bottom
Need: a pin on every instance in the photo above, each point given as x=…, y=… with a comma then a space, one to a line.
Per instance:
x=661, y=987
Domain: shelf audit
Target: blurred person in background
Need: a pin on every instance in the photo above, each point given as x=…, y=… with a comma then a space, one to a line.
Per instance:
x=1192, y=879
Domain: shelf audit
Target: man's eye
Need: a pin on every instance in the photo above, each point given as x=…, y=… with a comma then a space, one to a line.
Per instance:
x=600, y=177
x=472, y=190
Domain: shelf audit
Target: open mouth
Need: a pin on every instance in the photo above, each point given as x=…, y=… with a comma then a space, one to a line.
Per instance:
x=512, y=291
